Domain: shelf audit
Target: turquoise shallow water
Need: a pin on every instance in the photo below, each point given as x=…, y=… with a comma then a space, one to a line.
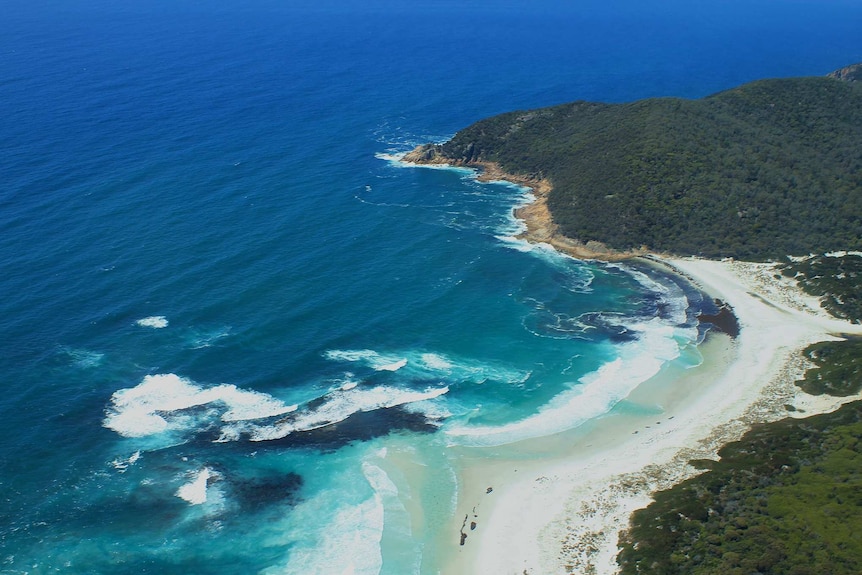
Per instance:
x=238, y=337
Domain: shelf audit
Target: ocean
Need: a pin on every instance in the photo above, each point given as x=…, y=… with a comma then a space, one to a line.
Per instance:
x=239, y=336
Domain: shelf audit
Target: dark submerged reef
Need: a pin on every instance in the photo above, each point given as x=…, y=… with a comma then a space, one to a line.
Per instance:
x=360, y=426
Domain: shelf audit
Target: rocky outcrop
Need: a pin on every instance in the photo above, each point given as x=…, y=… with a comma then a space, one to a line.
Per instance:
x=444, y=154
x=427, y=154
x=849, y=74
x=536, y=215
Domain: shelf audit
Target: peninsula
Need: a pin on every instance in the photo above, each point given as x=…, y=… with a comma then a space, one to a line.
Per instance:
x=765, y=170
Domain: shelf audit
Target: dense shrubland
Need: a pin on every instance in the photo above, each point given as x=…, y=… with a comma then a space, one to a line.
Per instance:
x=761, y=171
x=838, y=280
x=786, y=499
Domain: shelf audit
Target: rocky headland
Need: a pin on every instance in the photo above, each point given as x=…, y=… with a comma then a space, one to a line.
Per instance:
x=536, y=215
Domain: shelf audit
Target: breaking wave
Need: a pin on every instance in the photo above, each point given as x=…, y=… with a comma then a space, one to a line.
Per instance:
x=165, y=402
x=153, y=321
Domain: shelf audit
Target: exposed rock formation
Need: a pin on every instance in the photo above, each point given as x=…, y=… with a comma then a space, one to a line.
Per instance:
x=849, y=74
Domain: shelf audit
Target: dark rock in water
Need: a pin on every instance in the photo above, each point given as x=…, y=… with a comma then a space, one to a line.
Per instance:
x=723, y=320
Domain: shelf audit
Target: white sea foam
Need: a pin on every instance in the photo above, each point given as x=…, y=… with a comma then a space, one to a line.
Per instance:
x=397, y=160
x=338, y=406
x=153, y=321
x=436, y=361
x=515, y=226
x=352, y=539
x=579, y=276
x=424, y=365
x=394, y=366
x=674, y=299
x=369, y=357
x=379, y=480
x=546, y=323
x=122, y=464
x=195, y=491
x=156, y=405
x=377, y=361
x=515, y=243
x=199, y=339
x=595, y=393
x=349, y=545
x=659, y=340
x=458, y=369
x=434, y=410
x=393, y=158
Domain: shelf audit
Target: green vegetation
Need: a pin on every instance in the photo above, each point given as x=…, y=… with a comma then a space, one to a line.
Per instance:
x=786, y=499
x=838, y=371
x=761, y=171
x=837, y=279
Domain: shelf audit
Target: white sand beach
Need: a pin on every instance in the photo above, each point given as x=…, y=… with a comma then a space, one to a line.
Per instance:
x=562, y=512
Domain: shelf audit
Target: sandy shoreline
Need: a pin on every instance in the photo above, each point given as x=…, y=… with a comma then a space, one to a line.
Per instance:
x=562, y=512
x=558, y=504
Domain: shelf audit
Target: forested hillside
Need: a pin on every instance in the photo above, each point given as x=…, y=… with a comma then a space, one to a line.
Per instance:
x=761, y=171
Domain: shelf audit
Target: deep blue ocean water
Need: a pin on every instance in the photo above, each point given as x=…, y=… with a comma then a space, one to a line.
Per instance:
x=237, y=336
